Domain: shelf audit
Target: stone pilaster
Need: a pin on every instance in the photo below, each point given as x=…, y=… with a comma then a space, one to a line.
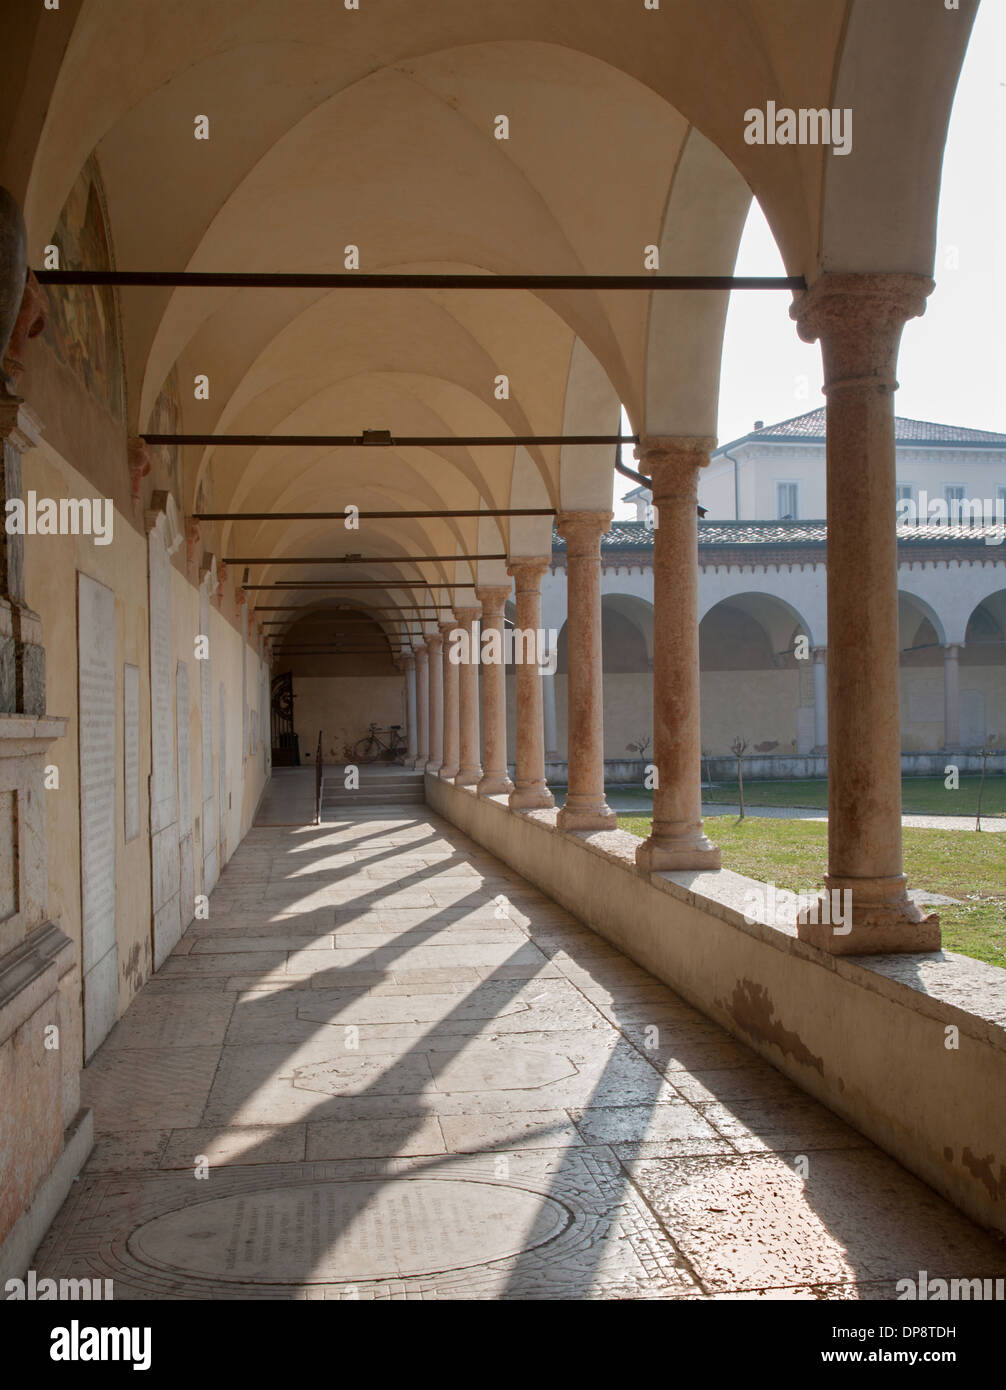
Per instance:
x=858, y=319
x=22, y=655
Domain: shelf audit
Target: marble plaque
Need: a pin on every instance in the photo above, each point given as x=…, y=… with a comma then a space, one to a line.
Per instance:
x=131, y=749
x=244, y=682
x=8, y=855
x=209, y=817
x=222, y=769
x=96, y=739
x=186, y=880
x=162, y=720
x=165, y=886
x=182, y=737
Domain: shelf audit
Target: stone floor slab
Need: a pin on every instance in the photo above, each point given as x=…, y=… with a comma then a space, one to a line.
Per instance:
x=412, y=1076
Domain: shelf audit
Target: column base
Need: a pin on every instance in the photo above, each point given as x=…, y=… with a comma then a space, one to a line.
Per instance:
x=588, y=815
x=535, y=796
x=432, y=768
x=658, y=855
x=495, y=785
x=468, y=777
x=877, y=918
x=448, y=773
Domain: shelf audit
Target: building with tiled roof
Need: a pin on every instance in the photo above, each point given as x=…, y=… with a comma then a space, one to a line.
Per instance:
x=763, y=588
x=777, y=471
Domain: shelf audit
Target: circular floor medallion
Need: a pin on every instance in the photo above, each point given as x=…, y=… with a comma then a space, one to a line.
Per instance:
x=336, y=1232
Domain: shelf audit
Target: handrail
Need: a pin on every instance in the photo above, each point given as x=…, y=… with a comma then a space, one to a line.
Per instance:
x=317, y=781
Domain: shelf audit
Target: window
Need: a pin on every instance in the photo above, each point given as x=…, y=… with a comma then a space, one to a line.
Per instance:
x=787, y=506
x=906, y=492
x=954, y=494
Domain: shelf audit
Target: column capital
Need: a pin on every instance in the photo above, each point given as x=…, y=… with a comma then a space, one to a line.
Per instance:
x=466, y=616
x=685, y=447
x=582, y=530
x=409, y=662
x=859, y=319
x=819, y=653
x=673, y=462
x=434, y=642
x=447, y=627
x=493, y=599
x=527, y=570
x=420, y=651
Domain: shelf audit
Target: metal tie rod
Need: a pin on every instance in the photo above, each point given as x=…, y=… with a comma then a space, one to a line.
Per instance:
x=295, y=280
x=395, y=582
x=384, y=439
x=352, y=559
x=371, y=516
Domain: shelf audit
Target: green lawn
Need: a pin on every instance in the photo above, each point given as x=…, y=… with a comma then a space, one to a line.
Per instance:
x=921, y=796
x=959, y=863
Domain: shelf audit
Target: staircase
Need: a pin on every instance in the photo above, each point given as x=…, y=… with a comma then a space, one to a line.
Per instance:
x=384, y=789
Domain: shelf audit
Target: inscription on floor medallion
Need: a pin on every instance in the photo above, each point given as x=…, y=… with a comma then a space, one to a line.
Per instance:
x=336, y=1232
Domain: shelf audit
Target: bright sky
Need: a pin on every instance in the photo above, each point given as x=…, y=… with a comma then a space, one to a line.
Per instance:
x=952, y=367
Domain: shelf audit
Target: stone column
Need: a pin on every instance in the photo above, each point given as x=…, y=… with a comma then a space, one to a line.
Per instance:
x=531, y=792
x=435, y=740
x=585, y=807
x=677, y=840
x=496, y=779
x=551, y=722
x=470, y=769
x=410, y=706
x=422, y=706
x=859, y=320
x=820, y=700
x=449, y=767
x=951, y=698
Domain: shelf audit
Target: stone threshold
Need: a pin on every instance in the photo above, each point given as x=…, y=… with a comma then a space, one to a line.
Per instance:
x=910, y=1049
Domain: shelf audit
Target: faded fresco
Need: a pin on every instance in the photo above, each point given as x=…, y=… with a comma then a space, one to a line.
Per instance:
x=166, y=418
x=83, y=325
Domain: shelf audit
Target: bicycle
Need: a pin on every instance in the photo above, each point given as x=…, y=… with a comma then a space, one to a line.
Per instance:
x=371, y=747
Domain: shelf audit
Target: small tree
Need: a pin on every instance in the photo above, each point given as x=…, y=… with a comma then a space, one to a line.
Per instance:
x=739, y=748
x=984, y=754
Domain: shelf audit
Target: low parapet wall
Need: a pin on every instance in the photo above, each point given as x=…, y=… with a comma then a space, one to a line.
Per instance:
x=871, y=1037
